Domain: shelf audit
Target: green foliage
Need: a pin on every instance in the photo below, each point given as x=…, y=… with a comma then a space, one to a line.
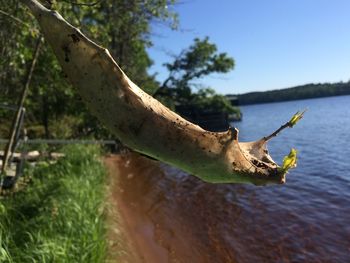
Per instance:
x=66, y=127
x=123, y=27
x=199, y=60
x=207, y=98
x=17, y=40
x=60, y=216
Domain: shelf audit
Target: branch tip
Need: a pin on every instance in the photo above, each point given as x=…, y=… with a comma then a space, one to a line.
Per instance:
x=290, y=124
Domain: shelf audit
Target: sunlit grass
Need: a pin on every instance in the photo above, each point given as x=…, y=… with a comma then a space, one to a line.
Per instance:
x=59, y=217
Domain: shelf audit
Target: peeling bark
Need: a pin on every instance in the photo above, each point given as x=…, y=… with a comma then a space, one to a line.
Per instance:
x=142, y=122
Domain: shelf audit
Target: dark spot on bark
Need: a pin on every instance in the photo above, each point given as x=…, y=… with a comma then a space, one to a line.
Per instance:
x=136, y=129
x=259, y=164
x=85, y=73
x=66, y=53
x=127, y=100
x=75, y=38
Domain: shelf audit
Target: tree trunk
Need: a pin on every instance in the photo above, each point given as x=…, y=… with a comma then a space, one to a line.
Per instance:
x=142, y=122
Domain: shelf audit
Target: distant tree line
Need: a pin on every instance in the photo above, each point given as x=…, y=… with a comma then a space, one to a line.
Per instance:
x=307, y=91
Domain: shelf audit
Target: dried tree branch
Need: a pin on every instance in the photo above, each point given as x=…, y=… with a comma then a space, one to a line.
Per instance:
x=142, y=122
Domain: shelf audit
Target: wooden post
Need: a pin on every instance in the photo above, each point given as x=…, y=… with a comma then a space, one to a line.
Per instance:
x=17, y=117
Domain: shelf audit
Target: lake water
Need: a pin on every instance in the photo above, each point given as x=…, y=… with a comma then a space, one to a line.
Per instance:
x=305, y=220
x=308, y=219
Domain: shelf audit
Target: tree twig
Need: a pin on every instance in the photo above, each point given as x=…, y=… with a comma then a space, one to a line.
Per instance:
x=275, y=133
x=296, y=117
x=19, y=21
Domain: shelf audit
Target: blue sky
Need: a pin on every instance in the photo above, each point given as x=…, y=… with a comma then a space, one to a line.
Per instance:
x=275, y=43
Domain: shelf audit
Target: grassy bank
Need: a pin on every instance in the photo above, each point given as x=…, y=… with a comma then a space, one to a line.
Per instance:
x=59, y=217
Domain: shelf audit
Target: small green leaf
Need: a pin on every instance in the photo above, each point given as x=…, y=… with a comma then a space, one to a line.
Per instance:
x=296, y=117
x=290, y=161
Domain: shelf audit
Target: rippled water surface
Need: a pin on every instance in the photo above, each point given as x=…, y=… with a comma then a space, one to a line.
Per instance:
x=309, y=217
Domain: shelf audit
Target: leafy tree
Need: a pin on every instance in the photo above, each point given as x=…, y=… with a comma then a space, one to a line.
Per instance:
x=124, y=26
x=199, y=60
x=18, y=36
x=207, y=98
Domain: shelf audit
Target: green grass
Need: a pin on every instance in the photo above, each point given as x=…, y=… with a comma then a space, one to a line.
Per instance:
x=59, y=217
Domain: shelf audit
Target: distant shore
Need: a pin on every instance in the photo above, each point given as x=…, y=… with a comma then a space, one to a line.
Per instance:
x=307, y=91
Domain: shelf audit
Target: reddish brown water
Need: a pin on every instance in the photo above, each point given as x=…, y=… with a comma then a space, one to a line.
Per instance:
x=181, y=219
x=177, y=218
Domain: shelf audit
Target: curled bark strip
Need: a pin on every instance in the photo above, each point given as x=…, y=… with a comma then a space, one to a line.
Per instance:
x=142, y=122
